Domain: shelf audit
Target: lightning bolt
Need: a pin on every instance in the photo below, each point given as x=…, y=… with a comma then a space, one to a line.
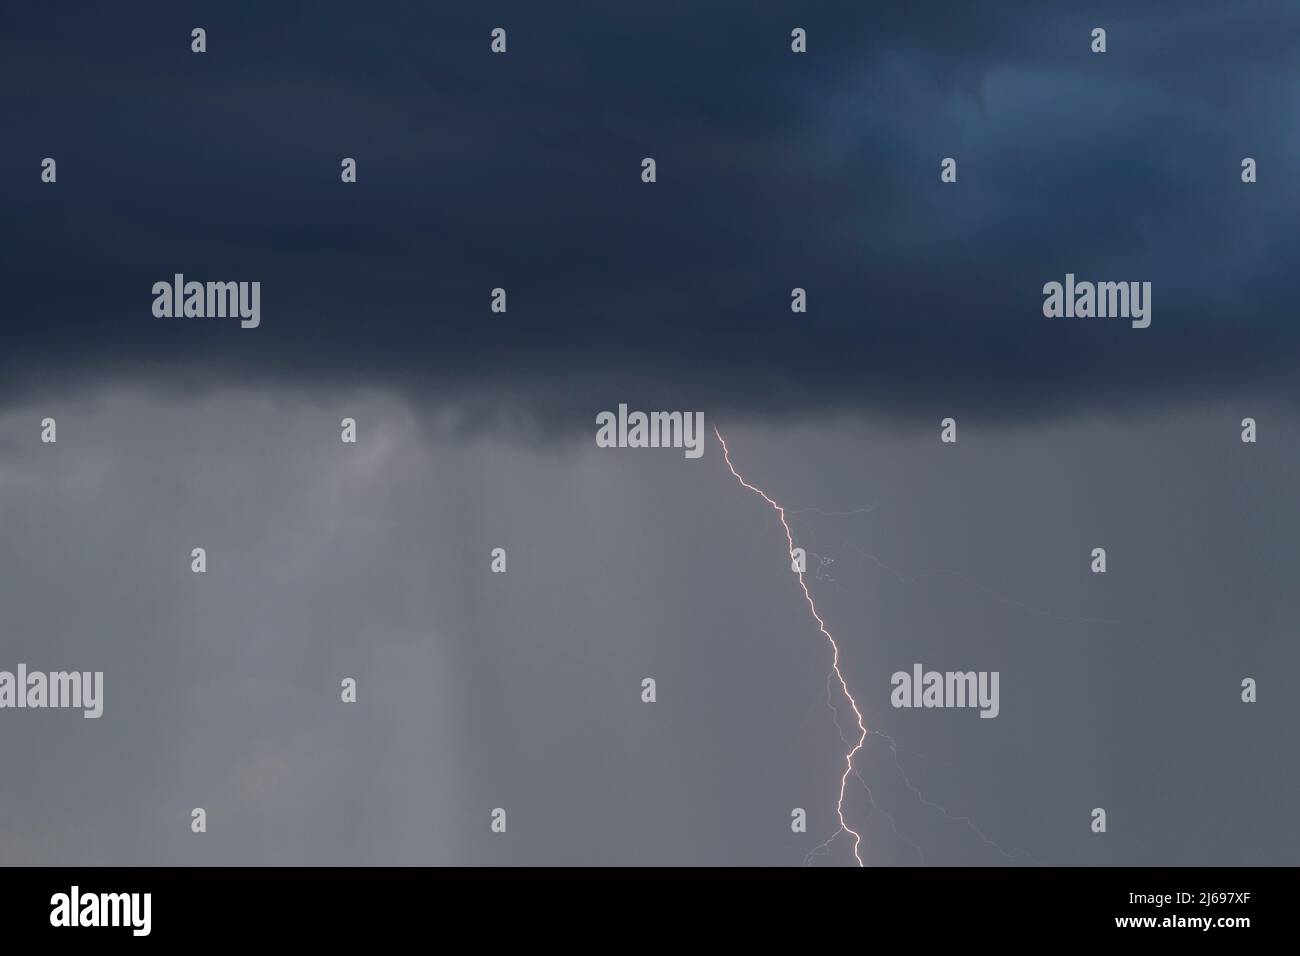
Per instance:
x=835, y=651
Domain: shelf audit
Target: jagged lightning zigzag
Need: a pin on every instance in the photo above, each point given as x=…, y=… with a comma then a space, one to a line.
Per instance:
x=835, y=648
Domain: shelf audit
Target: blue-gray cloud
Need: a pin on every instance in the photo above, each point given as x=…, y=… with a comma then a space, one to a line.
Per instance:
x=775, y=171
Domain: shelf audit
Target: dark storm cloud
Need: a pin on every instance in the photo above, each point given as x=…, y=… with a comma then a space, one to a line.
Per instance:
x=775, y=171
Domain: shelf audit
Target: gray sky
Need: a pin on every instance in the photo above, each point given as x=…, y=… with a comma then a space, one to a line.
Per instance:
x=522, y=690
x=521, y=171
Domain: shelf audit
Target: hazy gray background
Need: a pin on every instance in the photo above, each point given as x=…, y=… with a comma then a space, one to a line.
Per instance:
x=522, y=171
x=522, y=690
